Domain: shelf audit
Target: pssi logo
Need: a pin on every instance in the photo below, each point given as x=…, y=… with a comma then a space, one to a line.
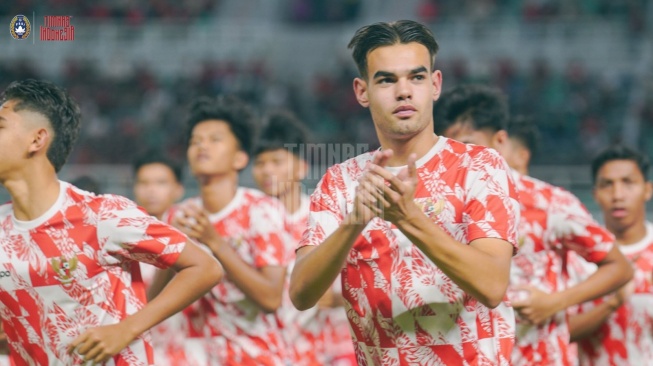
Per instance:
x=20, y=28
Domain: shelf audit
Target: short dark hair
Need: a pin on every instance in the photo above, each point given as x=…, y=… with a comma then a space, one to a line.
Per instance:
x=371, y=37
x=282, y=128
x=484, y=108
x=525, y=131
x=157, y=157
x=56, y=106
x=620, y=152
x=230, y=109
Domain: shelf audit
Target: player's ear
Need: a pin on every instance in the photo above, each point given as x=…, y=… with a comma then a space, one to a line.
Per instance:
x=240, y=160
x=648, y=190
x=40, y=140
x=360, y=89
x=436, y=79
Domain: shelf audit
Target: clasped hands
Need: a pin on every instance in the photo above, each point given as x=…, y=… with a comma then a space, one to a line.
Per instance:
x=382, y=194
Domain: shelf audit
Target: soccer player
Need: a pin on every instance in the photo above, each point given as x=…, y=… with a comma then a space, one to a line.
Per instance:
x=523, y=137
x=71, y=291
x=157, y=186
x=553, y=222
x=617, y=330
x=320, y=335
x=422, y=230
x=244, y=229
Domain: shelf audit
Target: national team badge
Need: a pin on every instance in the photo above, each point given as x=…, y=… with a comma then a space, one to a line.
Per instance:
x=431, y=207
x=65, y=268
x=20, y=27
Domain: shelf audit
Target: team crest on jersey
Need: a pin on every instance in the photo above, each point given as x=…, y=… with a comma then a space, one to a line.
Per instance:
x=65, y=269
x=431, y=207
x=20, y=28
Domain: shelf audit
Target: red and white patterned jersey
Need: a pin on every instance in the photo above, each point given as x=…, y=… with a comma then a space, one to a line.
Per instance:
x=314, y=336
x=337, y=347
x=236, y=331
x=167, y=336
x=402, y=308
x=300, y=329
x=76, y=268
x=626, y=337
x=553, y=221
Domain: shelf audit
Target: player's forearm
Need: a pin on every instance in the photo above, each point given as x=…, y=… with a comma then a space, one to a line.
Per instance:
x=265, y=292
x=587, y=323
x=160, y=280
x=611, y=274
x=188, y=285
x=315, y=271
x=482, y=275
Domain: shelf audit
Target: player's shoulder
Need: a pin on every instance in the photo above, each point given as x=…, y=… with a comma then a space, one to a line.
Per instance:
x=353, y=166
x=469, y=153
x=255, y=197
x=105, y=200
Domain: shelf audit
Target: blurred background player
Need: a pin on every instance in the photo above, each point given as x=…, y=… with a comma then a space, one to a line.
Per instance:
x=618, y=329
x=553, y=221
x=72, y=291
x=157, y=186
x=523, y=137
x=320, y=335
x=235, y=324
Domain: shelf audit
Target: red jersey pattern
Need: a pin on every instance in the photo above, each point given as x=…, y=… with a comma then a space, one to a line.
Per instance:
x=314, y=336
x=553, y=221
x=234, y=329
x=402, y=308
x=76, y=268
x=626, y=337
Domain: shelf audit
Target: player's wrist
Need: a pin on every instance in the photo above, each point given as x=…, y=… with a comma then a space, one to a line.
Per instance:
x=614, y=302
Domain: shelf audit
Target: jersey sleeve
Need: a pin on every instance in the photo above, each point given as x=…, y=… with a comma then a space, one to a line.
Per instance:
x=491, y=207
x=574, y=227
x=126, y=232
x=271, y=243
x=326, y=212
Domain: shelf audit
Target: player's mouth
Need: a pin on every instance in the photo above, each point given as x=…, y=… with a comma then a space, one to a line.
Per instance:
x=202, y=157
x=618, y=213
x=404, y=111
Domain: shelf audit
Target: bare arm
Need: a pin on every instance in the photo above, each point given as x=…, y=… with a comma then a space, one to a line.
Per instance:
x=160, y=280
x=585, y=324
x=263, y=285
x=197, y=274
x=317, y=267
x=613, y=271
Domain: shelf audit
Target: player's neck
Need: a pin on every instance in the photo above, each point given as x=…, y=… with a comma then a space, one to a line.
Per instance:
x=33, y=197
x=630, y=235
x=217, y=191
x=420, y=145
x=292, y=198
